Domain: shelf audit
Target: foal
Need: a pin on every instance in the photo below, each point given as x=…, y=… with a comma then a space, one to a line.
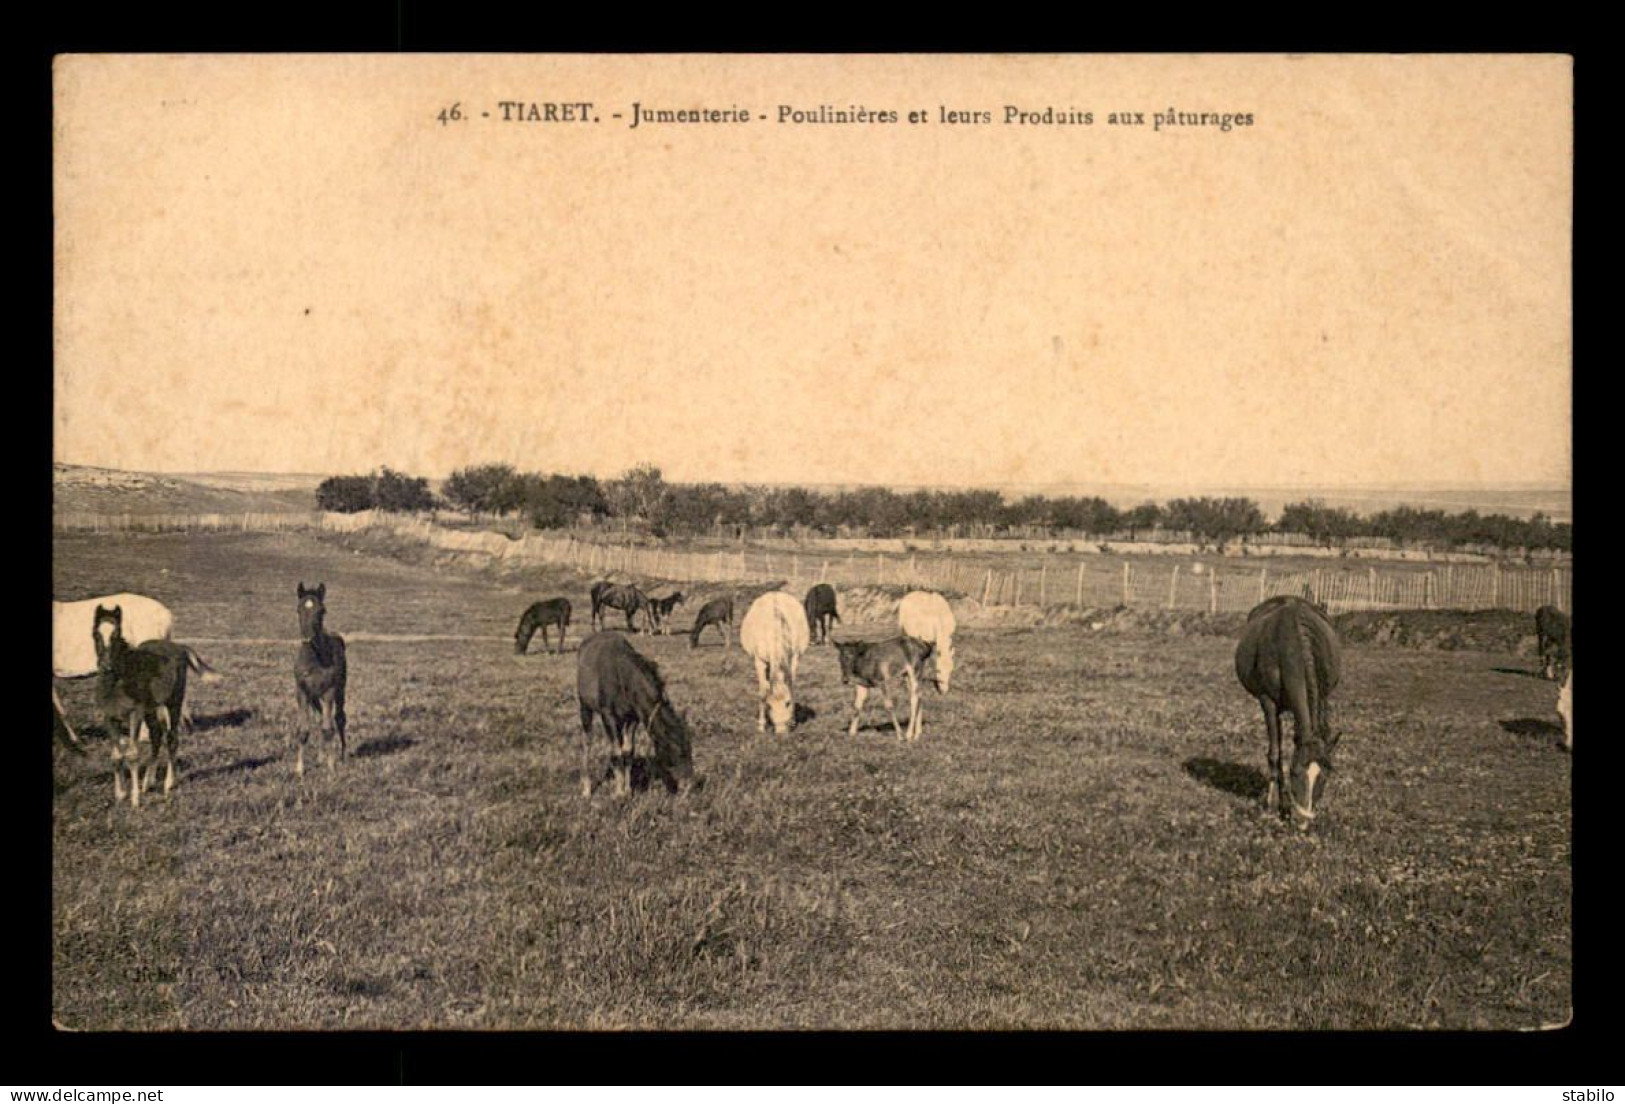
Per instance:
x=872, y=665
x=319, y=673
x=554, y=611
x=821, y=612
x=660, y=610
x=140, y=688
x=624, y=690
x=718, y=612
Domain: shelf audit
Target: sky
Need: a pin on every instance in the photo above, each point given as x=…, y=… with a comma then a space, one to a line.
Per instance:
x=287, y=263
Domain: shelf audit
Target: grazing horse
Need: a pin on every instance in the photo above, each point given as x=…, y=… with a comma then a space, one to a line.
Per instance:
x=926, y=616
x=718, y=612
x=73, y=654
x=1554, y=630
x=1565, y=709
x=140, y=688
x=624, y=690
x=872, y=665
x=1289, y=659
x=554, y=611
x=660, y=610
x=319, y=672
x=774, y=634
x=821, y=614
x=624, y=597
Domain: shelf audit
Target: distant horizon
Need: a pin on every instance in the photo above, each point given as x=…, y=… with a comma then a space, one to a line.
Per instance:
x=1554, y=500
x=1419, y=484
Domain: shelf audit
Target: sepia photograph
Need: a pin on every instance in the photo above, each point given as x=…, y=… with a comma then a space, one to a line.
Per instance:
x=811, y=542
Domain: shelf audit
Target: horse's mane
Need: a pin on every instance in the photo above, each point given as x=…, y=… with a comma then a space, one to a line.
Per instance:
x=647, y=666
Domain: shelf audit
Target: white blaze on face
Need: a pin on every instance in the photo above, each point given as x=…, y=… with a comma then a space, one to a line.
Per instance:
x=105, y=631
x=1306, y=811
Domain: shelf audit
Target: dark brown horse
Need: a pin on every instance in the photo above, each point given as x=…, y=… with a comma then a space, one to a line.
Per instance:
x=718, y=612
x=874, y=665
x=660, y=610
x=140, y=694
x=624, y=690
x=1554, y=630
x=622, y=596
x=320, y=672
x=554, y=611
x=821, y=613
x=1290, y=660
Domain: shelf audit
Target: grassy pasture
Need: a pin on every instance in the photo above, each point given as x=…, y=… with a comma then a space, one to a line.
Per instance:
x=1075, y=843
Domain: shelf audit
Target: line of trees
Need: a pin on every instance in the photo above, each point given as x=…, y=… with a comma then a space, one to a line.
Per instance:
x=642, y=496
x=382, y=490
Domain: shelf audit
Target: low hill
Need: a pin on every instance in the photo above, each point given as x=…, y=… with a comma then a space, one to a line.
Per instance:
x=79, y=489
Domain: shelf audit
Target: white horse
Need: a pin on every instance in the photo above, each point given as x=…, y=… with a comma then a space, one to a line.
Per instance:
x=73, y=650
x=774, y=634
x=1565, y=709
x=925, y=616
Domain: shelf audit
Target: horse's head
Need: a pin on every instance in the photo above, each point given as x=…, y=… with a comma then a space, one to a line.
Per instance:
x=942, y=670
x=781, y=707
x=849, y=653
x=674, y=750
x=312, y=609
x=106, y=629
x=522, y=635
x=1306, y=783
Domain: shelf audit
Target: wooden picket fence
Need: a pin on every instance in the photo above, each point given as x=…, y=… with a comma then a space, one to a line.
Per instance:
x=1082, y=581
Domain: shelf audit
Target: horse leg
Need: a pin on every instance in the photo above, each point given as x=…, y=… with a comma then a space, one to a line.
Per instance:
x=157, y=723
x=857, y=710
x=171, y=754
x=301, y=722
x=340, y=721
x=118, y=769
x=133, y=763
x=629, y=753
x=169, y=729
x=62, y=715
x=1272, y=725
x=891, y=707
x=913, y=704
x=619, y=767
x=329, y=730
x=762, y=690
x=586, y=755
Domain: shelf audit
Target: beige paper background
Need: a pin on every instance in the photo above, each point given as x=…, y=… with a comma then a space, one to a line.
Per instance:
x=284, y=263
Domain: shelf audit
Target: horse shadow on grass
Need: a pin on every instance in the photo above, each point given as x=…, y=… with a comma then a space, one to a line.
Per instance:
x=645, y=777
x=1232, y=778
x=231, y=718
x=382, y=745
x=250, y=763
x=1534, y=728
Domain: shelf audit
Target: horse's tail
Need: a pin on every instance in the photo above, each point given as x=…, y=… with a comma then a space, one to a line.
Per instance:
x=198, y=664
